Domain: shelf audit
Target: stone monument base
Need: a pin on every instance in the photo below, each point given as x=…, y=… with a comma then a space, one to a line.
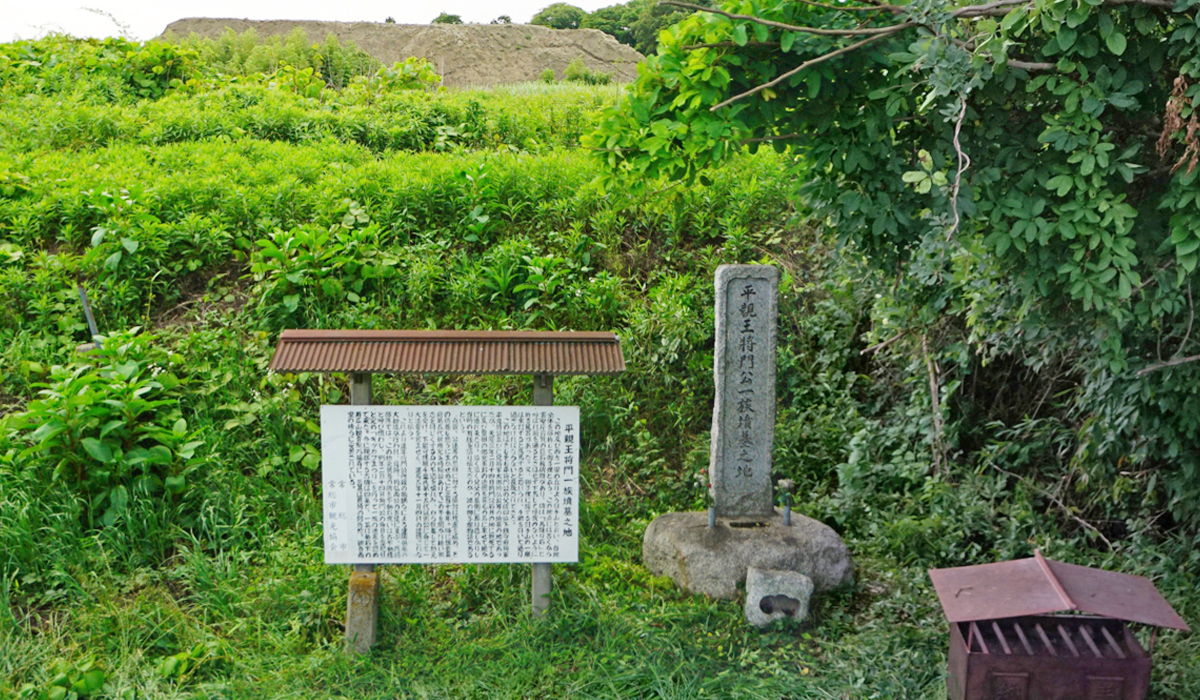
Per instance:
x=713, y=561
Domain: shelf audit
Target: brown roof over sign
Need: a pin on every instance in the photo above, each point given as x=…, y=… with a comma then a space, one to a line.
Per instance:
x=1040, y=586
x=449, y=352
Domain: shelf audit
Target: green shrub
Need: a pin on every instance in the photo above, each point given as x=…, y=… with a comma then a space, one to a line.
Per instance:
x=68, y=681
x=109, y=430
x=577, y=72
x=335, y=63
x=547, y=76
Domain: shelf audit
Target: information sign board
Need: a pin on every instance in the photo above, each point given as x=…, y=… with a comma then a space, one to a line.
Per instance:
x=439, y=484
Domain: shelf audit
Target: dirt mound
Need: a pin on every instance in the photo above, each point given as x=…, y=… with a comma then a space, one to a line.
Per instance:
x=466, y=54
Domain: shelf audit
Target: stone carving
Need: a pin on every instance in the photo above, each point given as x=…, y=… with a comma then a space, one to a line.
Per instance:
x=772, y=594
x=743, y=427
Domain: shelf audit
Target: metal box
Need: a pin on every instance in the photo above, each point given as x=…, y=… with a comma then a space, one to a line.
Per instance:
x=1006, y=643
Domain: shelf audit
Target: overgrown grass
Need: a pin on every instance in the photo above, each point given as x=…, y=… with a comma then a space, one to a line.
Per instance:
x=214, y=216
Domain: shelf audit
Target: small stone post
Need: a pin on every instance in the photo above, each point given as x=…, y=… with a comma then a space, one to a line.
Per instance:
x=362, y=600
x=543, y=395
x=743, y=427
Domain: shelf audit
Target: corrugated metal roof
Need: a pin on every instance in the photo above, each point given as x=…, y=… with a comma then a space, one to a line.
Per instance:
x=448, y=352
x=1039, y=586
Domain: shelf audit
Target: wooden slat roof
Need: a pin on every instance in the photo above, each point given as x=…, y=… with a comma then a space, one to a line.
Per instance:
x=448, y=352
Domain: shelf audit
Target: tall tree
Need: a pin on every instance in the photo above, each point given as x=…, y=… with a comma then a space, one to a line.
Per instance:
x=560, y=15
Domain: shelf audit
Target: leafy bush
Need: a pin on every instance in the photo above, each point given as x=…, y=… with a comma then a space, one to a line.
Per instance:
x=69, y=681
x=576, y=71
x=335, y=63
x=325, y=266
x=109, y=430
x=111, y=69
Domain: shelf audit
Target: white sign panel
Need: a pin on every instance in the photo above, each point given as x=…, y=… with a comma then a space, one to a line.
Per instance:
x=436, y=484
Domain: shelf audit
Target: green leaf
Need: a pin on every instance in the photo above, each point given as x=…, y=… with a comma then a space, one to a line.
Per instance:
x=1060, y=183
x=1116, y=43
x=739, y=35
x=130, y=245
x=159, y=454
x=1187, y=247
x=175, y=484
x=786, y=41
x=1066, y=37
x=119, y=498
x=47, y=430
x=1010, y=20
x=98, y=450
x=295, y=453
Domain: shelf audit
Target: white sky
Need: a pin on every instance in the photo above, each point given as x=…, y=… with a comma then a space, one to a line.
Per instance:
x=145, y=19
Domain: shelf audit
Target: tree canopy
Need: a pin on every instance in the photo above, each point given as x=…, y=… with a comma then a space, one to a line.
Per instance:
x=560, y=15
x=1022, y=171
x=637, y=22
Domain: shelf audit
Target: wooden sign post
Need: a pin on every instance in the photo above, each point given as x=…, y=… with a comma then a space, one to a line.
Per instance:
x=505, y=479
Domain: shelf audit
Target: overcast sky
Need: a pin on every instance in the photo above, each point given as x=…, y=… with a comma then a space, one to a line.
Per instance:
x=145, y=19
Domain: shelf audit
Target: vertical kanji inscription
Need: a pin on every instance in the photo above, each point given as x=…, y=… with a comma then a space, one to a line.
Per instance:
x=744, y=374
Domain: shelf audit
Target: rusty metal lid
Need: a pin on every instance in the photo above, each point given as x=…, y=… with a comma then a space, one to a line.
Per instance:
x=448, y=352
x=1040, y=586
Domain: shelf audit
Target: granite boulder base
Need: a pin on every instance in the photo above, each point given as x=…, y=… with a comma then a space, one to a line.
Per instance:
x=713, y=561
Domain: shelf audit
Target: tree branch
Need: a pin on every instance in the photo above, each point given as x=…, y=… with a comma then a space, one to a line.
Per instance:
x=771, y=138
x=972, y=10
x=1024, y=65
x=728, y=45
x=812, y=62
x=937, y=449
x=1030, y=66
x=876, y=8
x=868, y=31
x=964, y=162
x=1165, y=4
x=879, y=346
x=1169, y=363
x=1058, y=502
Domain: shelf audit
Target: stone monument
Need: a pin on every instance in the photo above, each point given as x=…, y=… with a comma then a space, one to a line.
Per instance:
x=743, y=426
x=748, y=531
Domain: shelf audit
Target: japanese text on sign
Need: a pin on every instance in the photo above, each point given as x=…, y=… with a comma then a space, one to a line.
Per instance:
x=469, y=484
x=745, y=381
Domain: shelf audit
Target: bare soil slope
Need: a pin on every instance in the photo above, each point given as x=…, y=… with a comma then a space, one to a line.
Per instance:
x=466, y=54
